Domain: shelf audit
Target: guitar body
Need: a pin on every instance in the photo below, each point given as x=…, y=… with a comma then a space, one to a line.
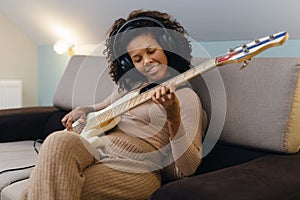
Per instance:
x=101, y=128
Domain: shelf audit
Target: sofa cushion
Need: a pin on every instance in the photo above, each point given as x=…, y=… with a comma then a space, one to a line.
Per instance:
x=13, y=191
x=16, y=155
x=268, y=177
x=293, y=127
x=86, y=81
x=262, y=104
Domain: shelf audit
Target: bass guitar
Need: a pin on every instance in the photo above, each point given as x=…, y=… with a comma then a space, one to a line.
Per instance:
x=97, y=123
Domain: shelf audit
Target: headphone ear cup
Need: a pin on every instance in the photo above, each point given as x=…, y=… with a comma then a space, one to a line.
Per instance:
x=167, y=42
x=126, y=63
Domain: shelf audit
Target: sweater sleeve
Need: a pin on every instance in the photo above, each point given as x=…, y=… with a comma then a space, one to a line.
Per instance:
x=186, y=149
x=109, y=100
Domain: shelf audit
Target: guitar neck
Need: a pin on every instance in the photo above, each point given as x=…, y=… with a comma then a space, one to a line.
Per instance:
x=123, y=107
x=177, y=80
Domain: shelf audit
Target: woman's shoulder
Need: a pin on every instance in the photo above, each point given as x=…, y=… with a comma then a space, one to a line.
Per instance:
x=187, y=94
x=186, y=88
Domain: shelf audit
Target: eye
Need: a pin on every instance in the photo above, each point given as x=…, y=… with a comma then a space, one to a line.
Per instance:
x=151, y=50
x=136, y=59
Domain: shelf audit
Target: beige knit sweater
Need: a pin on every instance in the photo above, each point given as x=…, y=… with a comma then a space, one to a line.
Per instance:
x=144, y=129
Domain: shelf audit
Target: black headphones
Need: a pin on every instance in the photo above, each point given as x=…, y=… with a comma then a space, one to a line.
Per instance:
x=164, y=39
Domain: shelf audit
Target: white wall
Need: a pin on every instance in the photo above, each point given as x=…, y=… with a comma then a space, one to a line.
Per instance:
x=19, y=60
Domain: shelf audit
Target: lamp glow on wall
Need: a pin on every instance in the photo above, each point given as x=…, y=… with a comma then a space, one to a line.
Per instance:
x=62, y=47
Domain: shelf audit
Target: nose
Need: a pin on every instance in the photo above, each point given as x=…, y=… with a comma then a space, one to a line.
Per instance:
x=147, y=60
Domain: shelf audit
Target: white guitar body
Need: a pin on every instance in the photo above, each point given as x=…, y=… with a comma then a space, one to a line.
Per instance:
x=94, y=128
x=93, y=135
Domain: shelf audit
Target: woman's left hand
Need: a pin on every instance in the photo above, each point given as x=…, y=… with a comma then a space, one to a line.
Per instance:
x=167, y=98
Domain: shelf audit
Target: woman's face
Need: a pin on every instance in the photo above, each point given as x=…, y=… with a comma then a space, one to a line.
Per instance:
x=148, y=57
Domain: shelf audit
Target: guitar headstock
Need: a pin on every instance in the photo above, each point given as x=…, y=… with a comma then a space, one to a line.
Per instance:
x=247, y=51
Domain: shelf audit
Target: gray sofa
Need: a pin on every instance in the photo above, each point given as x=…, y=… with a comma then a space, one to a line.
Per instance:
x=250, y=148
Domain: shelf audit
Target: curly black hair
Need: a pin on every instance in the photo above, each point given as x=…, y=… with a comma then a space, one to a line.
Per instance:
x=178, y=59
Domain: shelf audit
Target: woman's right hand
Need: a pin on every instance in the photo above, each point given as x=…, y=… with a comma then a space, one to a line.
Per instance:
x=78, y=113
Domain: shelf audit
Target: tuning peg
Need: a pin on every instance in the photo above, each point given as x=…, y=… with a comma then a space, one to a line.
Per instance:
x=245, y=64
x=272, y=37
x=246, y=50
x=230, y=50
x=244, y=46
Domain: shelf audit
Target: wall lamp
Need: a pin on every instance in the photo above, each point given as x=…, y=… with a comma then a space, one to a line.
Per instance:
x=62, y=47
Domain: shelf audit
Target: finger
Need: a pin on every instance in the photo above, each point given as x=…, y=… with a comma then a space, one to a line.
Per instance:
x=82, y=119
x=154, y=99
x=158, y=93
x=69, y=125
x=171, y=96
x=172, y=88
x=163, y=91
x=64, y=120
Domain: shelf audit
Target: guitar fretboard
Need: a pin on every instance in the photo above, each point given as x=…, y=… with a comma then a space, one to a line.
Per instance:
x=145, y=96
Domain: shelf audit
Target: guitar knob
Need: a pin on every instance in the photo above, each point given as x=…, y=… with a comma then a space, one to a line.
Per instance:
x=245, y=64
x=257, y=41
x=246, y=50
x=272, y=37
x=244, y=46
x=230, y=50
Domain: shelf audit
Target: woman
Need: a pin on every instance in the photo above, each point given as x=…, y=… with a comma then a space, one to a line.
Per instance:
x=159, y=140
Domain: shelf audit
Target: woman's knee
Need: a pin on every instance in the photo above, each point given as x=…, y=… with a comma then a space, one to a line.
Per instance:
x=61, y=140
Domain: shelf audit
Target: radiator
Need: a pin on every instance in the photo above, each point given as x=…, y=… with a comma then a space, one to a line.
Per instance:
x=10, y=94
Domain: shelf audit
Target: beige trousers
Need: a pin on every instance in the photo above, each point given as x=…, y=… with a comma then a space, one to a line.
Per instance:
x=66, y=170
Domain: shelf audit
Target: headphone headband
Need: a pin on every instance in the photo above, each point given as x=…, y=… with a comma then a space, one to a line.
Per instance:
x=126, y=26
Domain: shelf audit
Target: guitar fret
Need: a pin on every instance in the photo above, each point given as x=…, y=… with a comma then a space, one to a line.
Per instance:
x=139, y=98
x=174, y=80
x=144, y=97
x=148, y=95
x=190, y=73
x=93, y=123
x=130, y=103
x=184, y=75
x=115, y=111
x=105, y=116
x=122, y=108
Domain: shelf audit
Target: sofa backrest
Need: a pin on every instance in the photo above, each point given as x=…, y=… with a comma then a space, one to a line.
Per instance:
x=86, y=81
x=262, y=104
x=257, y=107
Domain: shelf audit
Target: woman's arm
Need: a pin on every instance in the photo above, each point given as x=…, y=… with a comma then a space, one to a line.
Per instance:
x=186, y=146
x=184, y=118
x=80, y=113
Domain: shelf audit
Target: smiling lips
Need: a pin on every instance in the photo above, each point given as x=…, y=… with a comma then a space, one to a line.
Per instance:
x=152, y=69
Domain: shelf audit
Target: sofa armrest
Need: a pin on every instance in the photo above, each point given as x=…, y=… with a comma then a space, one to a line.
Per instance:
x=24, y=123
x=269, y=177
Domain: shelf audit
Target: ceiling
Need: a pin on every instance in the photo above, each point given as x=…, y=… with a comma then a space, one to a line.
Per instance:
x=87, y=21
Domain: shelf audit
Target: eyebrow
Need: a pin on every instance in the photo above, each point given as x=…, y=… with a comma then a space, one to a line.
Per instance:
x=148, y=47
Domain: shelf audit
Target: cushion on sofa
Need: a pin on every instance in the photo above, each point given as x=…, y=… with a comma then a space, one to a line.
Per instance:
x=263, y=108
x=16, y=159
x=86, y=81
x=270, y=177
x=13, y=191
x=293, y=128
